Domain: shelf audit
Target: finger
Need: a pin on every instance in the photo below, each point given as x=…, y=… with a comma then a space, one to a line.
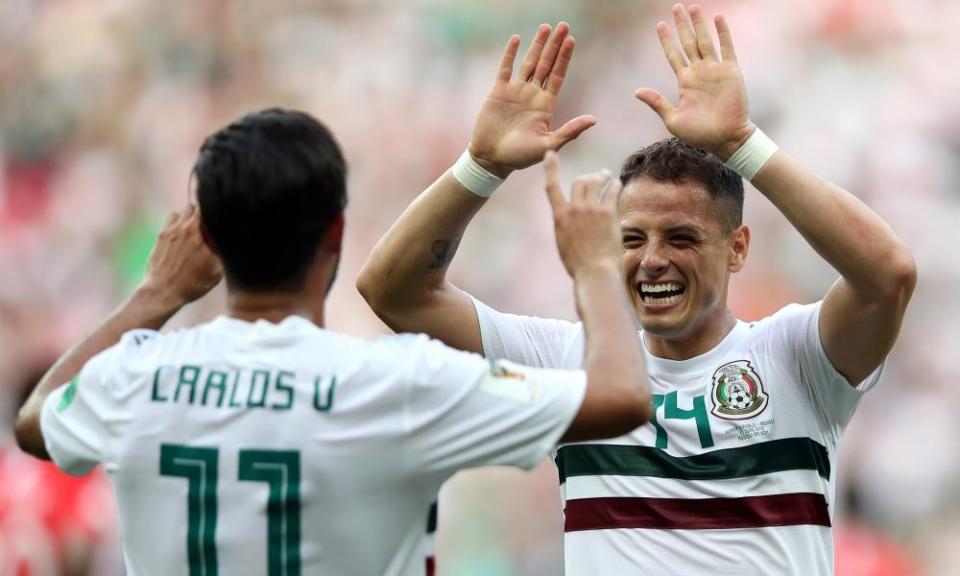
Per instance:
x=657, y=102
x=578, y=190
x=559, y=72
x=549, y=56
x=554, y=191
x=570, y=130
x=726, y=39
x=610, y=197
x=704, y=40
x=505, y=72
x=687, y=38
x=674, y=56
x=533, y=53
x=598, y=184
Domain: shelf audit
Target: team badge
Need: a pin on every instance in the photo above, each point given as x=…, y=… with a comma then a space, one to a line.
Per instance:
x=737, y=391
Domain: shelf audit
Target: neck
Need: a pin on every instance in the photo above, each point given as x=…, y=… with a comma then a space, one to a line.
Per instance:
x=703, y=339
x=274, y=307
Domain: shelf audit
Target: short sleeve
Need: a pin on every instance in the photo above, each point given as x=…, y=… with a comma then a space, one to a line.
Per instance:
x=538, y=342
x=75, y=416
x=835, y=399
x=464, y=411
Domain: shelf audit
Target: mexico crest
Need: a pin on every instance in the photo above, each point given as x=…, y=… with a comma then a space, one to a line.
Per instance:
x=737, y=391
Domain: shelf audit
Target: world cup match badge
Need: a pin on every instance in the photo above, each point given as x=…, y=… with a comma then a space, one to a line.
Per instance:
x=737, y=391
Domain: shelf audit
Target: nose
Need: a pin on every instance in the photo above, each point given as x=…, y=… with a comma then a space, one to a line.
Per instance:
x=654, y=262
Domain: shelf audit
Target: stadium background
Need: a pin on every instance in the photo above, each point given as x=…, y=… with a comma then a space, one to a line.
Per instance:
x=103, y=104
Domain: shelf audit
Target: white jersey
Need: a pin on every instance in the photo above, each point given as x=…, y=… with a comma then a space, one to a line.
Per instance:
x=286, y=449
x=734, y=474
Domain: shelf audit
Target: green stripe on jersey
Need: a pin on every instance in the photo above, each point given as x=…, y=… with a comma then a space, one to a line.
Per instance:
x=753, y=460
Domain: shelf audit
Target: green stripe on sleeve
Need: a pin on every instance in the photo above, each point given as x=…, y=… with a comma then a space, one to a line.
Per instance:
x=68, y=395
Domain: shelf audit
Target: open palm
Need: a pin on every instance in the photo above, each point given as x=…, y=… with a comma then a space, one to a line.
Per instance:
x=513, y=127
x=713, y=113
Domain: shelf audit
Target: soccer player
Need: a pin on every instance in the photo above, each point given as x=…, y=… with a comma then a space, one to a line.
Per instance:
x=735, y=473
x=263, y=443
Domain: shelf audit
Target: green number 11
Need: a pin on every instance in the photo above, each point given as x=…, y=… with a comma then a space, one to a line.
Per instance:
x=279, y=469
x=672, y=411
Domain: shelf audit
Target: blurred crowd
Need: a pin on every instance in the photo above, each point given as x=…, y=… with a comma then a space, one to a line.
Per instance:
x=104, y=103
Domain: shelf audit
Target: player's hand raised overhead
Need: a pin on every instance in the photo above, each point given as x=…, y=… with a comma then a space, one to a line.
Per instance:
x=713, y=112
x=513, y=128
x=181, y=266
x=586, y=225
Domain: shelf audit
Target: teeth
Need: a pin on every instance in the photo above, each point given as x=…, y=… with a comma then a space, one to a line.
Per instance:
x=655, y=288
x=663, y=300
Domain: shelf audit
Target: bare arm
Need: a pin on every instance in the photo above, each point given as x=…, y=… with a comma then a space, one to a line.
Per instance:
x=404, y=279
x=617, y=398
x=180, y=270
x=862, y=312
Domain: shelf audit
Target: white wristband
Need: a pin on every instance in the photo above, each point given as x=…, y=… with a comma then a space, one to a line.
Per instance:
x=754, y=153
x=475, y=177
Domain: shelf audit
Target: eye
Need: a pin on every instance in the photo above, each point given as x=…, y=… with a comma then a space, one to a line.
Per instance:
x=683, y=239
x=632, y=240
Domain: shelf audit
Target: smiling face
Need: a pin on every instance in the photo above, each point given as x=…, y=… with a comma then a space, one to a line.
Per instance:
x=678, y=258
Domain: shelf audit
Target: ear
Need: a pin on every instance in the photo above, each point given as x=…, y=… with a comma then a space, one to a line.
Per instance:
x=739, y=246
x=333, y=239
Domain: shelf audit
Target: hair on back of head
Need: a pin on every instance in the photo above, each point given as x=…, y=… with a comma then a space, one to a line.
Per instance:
x=671, y=160
x=269, y=186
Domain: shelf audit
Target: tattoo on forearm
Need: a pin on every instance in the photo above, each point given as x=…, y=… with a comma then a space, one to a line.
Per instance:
x=443, y=252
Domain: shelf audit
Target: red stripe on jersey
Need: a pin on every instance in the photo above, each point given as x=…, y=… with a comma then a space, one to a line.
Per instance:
x=696, y=513
x=431, y=566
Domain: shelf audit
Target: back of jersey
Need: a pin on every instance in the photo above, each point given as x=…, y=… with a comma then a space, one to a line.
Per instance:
x=285, y=449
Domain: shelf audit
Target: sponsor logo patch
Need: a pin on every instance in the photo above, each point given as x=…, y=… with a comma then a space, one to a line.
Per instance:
x=509, y=381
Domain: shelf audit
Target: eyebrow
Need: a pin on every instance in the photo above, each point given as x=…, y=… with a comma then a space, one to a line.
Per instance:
x=682, y=229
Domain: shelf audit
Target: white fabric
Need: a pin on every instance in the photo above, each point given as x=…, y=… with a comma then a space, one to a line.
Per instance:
x=750, y=158
x=807, y=398
x=475, y=177
x=404, y=414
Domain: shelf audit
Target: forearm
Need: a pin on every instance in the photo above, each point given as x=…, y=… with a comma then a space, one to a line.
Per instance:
x=146, y=308
x=410, y=261
x=842, y=229
x=613, y=358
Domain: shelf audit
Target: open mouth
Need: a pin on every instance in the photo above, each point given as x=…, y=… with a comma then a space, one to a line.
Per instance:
x=661, y=293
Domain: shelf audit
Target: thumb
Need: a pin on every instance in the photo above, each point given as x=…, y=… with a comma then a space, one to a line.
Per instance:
x=571, y=130
x=656, y=101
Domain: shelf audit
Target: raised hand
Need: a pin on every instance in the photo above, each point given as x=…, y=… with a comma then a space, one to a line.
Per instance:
x=181, y=267
x=513, y=128
x=713, y=111
x=587, y=226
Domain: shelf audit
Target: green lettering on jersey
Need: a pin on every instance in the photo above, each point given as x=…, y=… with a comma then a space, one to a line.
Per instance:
x=672, y=411
x=200, y=467
x=233, y=391
x=280, y=470
x=188, y=378
x=69, y=394
x=216, y=380
x=326, y=404
x=155, y=390
x=263, y=376
x=284, y=387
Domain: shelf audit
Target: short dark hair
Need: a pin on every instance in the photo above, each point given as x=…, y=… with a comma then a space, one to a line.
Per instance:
x=269, y=186
x=671, y=160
